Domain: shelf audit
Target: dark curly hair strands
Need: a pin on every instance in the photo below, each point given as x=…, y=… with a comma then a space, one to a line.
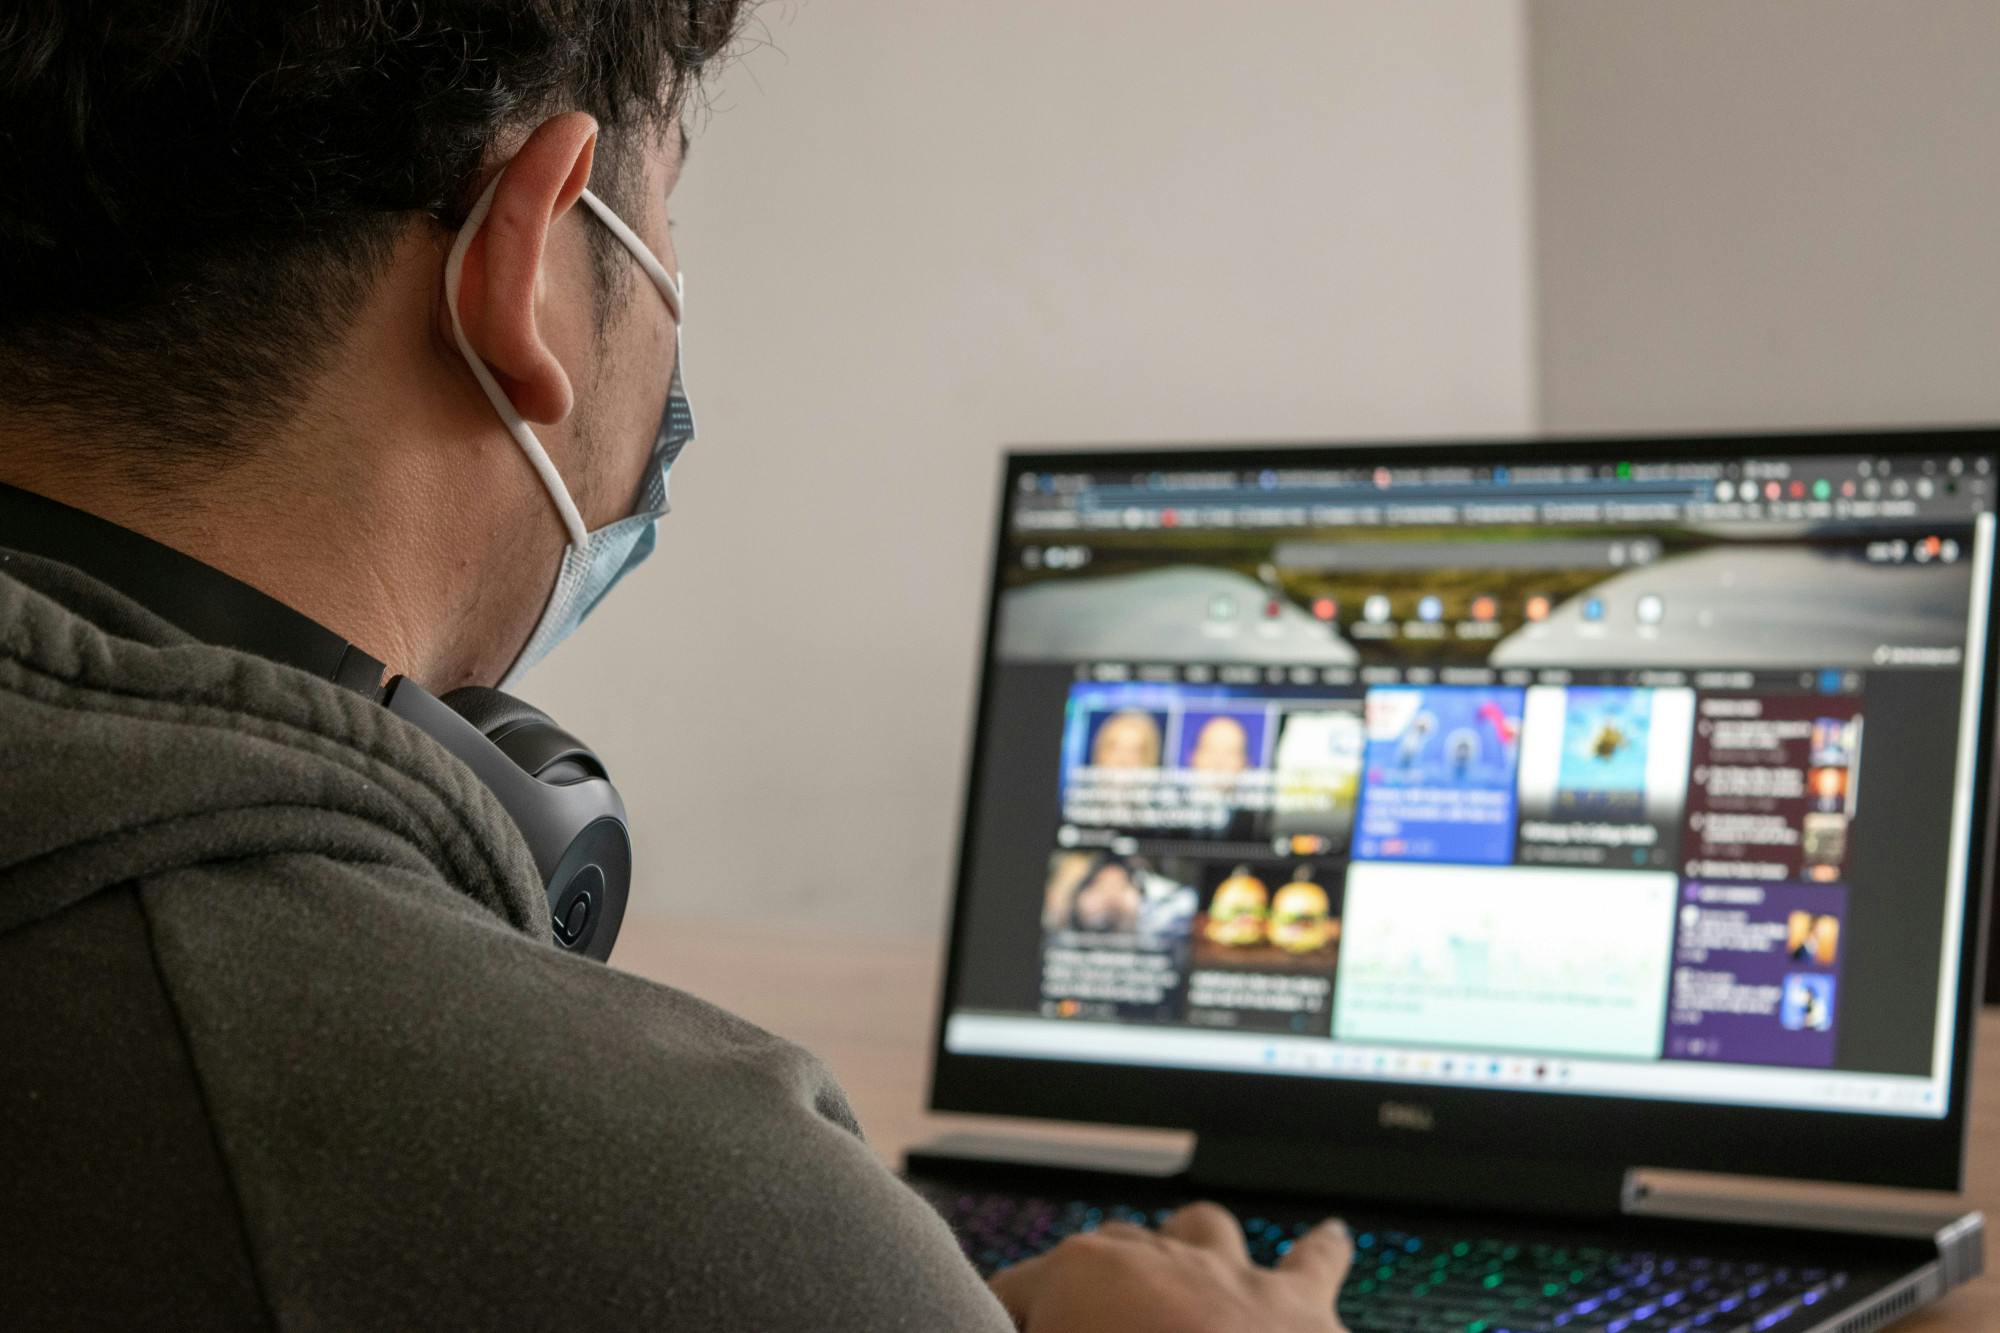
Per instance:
x=195, y=195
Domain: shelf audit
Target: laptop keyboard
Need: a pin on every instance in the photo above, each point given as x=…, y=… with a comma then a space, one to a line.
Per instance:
x=1403, y=1282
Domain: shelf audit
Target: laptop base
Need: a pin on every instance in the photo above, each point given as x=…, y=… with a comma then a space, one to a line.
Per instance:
x=1439, y=1264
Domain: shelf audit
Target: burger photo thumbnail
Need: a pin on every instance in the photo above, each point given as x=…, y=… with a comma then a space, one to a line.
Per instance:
x=1236, y=916
x=1301, y=917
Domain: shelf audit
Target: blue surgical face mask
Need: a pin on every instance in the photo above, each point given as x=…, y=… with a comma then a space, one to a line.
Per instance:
x=592, y=562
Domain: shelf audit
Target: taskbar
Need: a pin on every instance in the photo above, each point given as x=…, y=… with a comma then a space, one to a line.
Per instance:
x=1014, y=1036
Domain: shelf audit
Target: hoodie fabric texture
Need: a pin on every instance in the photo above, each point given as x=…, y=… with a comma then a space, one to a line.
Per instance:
x=284, y=1041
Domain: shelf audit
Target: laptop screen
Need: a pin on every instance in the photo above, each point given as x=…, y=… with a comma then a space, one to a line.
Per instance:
x=1641, y=777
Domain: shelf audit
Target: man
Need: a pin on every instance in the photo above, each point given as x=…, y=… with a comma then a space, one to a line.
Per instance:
x=1129, y=739
x=311, y=300
x=1221, y=747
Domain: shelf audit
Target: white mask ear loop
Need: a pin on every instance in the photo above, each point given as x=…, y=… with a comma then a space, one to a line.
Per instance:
x=670, y=287
x=454, y=265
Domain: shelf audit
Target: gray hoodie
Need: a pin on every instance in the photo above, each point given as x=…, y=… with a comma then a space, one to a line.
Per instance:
x=283, y=1039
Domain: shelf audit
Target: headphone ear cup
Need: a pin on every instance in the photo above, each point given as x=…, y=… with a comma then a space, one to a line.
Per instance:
x=526, y=735
x=556, y=791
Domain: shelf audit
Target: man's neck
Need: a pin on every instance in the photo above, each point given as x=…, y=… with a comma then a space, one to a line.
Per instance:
x=304, y=554
x=197, y=598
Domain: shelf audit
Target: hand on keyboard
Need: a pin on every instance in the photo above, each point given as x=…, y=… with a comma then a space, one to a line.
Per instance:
x=1193, y=1275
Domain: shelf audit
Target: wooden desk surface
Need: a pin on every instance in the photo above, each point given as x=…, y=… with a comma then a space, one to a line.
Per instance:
x=863, y=1004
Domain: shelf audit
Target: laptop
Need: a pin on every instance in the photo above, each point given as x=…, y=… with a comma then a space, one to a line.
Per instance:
x=1472, y=841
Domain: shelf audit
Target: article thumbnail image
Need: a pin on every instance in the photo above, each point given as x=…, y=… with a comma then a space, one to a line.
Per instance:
x=1103, y=893
x=1127, y=738
x=1604, y=772
x=1813, y=937
x=1603, y=762
x=1440, y=770
x=1130, y=727
x=1234, y=764
x=1114, y=938
x=1265, y=946
x=1273, y=914
x=1161, y=758
x=1808, y=1004
x=1222, y=741
x=1317, y=774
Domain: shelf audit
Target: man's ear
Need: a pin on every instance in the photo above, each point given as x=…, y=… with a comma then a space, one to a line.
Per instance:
x=503, y=265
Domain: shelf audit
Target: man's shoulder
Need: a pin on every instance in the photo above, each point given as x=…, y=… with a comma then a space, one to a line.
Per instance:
x=381, y=964
x=415, y=1098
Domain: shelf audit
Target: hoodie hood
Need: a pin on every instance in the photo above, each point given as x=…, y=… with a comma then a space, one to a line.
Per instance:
x=134, y=749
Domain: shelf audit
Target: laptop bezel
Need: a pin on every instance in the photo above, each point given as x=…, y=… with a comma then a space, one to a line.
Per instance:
x=1296, y=1112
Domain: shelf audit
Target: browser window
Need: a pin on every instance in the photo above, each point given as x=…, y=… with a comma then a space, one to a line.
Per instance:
x=1628, y=778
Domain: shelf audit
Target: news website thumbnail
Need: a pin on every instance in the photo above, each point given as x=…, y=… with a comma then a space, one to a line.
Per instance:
x=1643, y=782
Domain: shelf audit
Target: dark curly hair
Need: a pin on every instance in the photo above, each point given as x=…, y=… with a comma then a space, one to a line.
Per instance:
x=195, y=195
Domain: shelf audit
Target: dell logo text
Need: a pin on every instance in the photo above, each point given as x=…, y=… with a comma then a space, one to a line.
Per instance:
x=1406, y=1115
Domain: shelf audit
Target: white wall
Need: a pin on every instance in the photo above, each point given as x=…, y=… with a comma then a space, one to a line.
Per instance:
x=1766, y=212
x=916, y=232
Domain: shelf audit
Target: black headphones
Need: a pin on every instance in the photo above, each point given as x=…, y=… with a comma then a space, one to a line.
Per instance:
x=550, y=783
x=557, y=792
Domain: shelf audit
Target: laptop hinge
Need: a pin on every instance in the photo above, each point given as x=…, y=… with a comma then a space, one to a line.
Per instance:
x=953, y=1152
x=1798, y=1205
x=1407, y=1177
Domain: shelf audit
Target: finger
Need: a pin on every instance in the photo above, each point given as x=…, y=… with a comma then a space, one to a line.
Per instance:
x=1127, y=1231
x=1322, y=1256
x=1017, y=1285
x=1211, y=1226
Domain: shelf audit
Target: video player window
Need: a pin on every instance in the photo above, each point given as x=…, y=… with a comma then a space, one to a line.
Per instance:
x=1614, y=777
